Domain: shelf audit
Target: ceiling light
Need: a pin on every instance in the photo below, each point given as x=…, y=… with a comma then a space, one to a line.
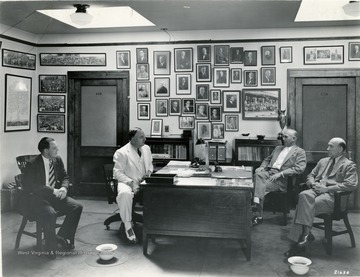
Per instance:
x=352, y=8
x=81, y=17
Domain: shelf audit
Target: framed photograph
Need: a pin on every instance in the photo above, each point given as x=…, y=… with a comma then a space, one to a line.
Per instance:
x=143, y=91
x=232, y=103
x=123, y=59
x=221, y=53
x=17, y=103
x=51, y=123
x=286, y=54
x=215, y=113
x=218, y=131
x=202, y=110
x=250, y=58
x=354, y=51
x=268, y=55
x=51, y=103
x=18, y=59
x=236, y=54
x=203, y=72
x=324, y=54
x=202, y=92
x=162, y=63
x=231, y=123
x=221, y=77
x=251, y=78
x=143, y=111
x=204, y=53
x=268, y=76
x=162, y=86
x=52, y=83
x=236, y=75
x=175, y=106
x=188, y=105
x=203, y=130
x=156, y=127
x=142, y=55
x=186, y=122
x=72, y=59
x=183, y=84
x=142, y=71
x=261, y=103
x=161, y=106
x=183, y=59
x=215, y=96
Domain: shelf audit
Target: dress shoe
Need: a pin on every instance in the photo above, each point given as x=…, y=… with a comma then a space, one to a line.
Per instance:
x=256, y=221
x=256, y=207
x=130, y=235
x=64, y=243
x=305, y=240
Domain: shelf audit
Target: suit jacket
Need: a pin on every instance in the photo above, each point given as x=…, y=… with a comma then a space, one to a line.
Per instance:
x=126, y=168
x=343, y=177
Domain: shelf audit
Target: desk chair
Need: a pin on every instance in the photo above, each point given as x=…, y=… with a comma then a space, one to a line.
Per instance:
x=22, y=161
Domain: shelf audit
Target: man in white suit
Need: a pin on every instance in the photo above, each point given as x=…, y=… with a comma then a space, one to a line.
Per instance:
x=133, y=162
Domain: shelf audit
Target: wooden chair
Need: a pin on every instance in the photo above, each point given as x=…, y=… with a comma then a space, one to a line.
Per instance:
x=22, y=161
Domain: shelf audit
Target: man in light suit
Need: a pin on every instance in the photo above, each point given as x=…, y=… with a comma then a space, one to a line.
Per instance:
x=133, y=162
x=335, y=173
x=272, y=175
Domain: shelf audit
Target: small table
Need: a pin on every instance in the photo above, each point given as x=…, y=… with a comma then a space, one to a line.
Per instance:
x=218, y=206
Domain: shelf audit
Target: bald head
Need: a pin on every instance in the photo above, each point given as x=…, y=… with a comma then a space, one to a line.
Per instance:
x=336, y=147
x=289, y=137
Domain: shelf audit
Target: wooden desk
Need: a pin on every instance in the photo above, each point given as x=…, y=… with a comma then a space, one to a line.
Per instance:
x=200, y=207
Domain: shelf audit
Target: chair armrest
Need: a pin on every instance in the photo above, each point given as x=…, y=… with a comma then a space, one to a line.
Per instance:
x=341, y=201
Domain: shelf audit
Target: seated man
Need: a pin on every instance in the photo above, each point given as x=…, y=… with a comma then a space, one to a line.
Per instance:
x=133, y=162
x=272, y=175
x=45, y=177
x=335, y=173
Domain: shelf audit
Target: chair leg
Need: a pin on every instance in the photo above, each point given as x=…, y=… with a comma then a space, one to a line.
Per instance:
x=328, y=234
x=20, y=232
x=348, y=227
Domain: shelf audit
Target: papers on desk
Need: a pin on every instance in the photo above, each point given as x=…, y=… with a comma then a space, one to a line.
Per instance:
x=179, y=164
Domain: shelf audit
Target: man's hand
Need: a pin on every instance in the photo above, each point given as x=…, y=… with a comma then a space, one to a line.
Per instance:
x=62, y=193
x=320, y=188
x=148, y=173
x=259, y=169
x=275, y=177
x=134, y=186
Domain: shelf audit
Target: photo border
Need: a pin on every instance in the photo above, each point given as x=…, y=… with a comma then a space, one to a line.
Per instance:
x=137, y=92
x=62, y=116
x=183, y=100
x=227, y=47
x=242, y=55
x=168, y=89
x=199, y=47
x=208, y=65
x=232, y=110
x=220, y=113
x=162, y=71
x=187, y=128
x=139, y=117
x=183, y=92
x=47, y=95
x=290, y=60
x=157, y=101
x=328, y=60
x=176, y=53
x=28, y=55
x=350, y=51
x=256, y=78
x=173, y=99
x=227, y=116
x=146, y=50
x=63, y=57
x=118, y=53
x=148, y=72
x=212, y=130
x=211, y=96
x=206, y=109
x=200, y=123
x=255, y=57
x=197, y=88
x=152, y=132
x=271, y=48
x=245, y=112
x=263, y=69
x=231, y=76
x=221, y=85
x=63, y=81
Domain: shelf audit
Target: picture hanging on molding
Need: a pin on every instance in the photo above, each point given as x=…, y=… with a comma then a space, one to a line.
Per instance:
x=123, y=59
x=18, y=59
x=285, y=54
x=267, y=55
x=260, y=104
x=204, y=53
x=142, y=55
x=354, y=51
x=72, y=59
x=183, y=59
x=221, y=53
x=324, y=54
x=236, y=54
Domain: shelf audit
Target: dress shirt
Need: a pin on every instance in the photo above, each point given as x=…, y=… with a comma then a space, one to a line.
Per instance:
x=140, y=160
x=47, y=169
x=280, y=159
x=328, y=165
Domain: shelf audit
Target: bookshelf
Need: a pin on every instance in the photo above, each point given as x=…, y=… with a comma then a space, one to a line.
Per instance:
x=217, y=151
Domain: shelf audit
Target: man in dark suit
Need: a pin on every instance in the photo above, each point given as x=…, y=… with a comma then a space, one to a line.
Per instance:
x=272, y=175
x=231, y=102
x=203, y=74
x=161, y=62
x=204, y=56
x=47, y=182
x=250, y=59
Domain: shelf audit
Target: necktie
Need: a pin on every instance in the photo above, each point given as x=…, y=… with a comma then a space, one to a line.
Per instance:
x=330, y=168
x=139, y=152
x=51, y=174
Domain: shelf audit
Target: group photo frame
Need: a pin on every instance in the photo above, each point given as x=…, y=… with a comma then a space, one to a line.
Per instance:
x=324, y=54
x=51, y=103
x=156, y=127
x=51, y=123
x=143, y=111
x=143, y=91
x=232, y=101
x=183, y=59
x=17, y=59
x=162, y=62
x=52, y=83
x=123, y=59
x=183, y=84
x=261, y=104
x=73, y=59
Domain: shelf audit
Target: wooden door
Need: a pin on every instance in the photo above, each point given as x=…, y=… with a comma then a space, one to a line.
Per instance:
x=98, y=125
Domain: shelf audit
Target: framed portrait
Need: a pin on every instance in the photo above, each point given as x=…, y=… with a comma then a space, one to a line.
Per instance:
x=202, y=110
x=232, y=103
x=218, y=131
x=143, y=91
x=51, y=123
x=51, y=103
x=221, y=53
x=261, y=103
x=52, y=83
x=215, y=113
x=175, y=106
x=203, y=130
x=354, y=51
x=143, y=111
x=123, y=59
x=236, y=54
x=142, y=55
x=186, y=122
x=268, y=76
x=183, y=59
x=251, y=78
x=285, y=54
x=156, y=127
x=215, y=96
x=188, y=105
x=250, y=58
x=72, y=59
x=236, y=75
x=183, y=84
x=162, y=86
x=231, y=123
x=324, y=54
x=161, y=106
x=162, y=63
x=18, y=59
x=204, y=53
x=203, y=72
x=17, y=103
x=221, y=77
x=142, y=71
x=268, y=55
x=202, y=92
